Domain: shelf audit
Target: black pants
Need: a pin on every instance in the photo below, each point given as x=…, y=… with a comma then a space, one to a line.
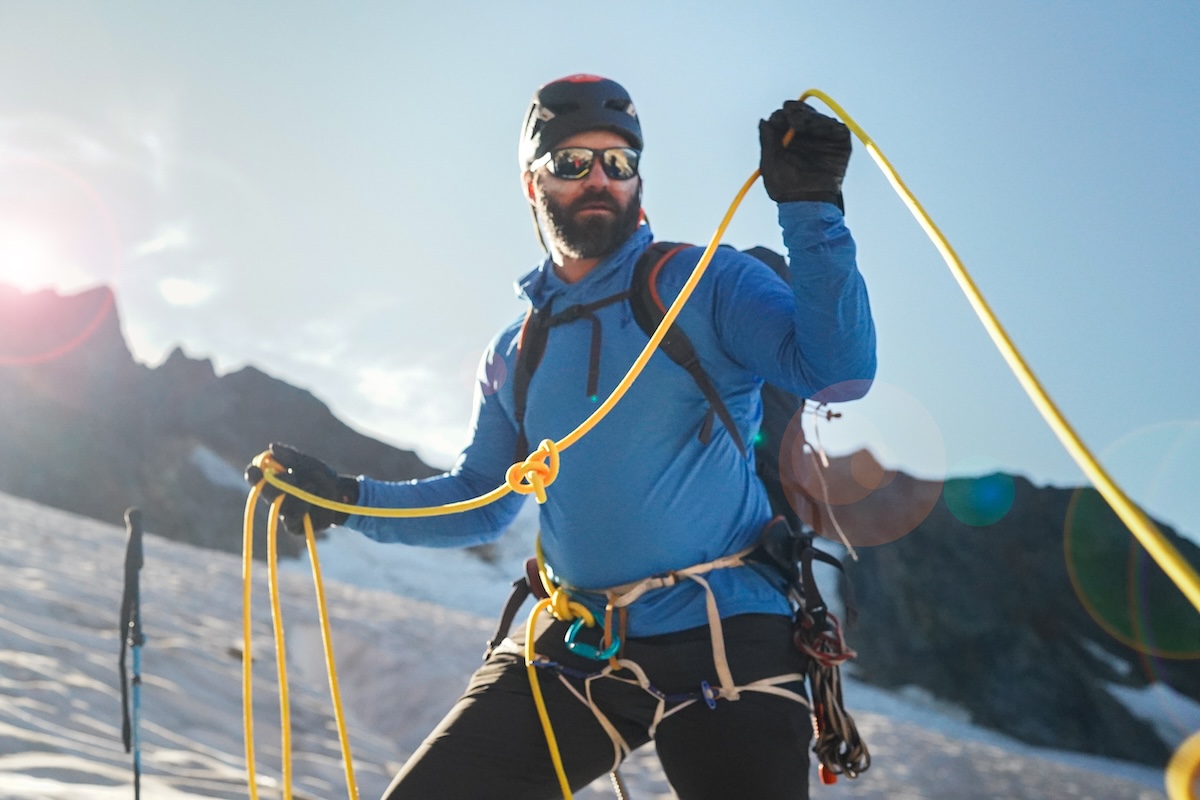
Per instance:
x=491, y=745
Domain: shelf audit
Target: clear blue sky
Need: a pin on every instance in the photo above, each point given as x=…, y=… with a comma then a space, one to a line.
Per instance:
x=330, y=192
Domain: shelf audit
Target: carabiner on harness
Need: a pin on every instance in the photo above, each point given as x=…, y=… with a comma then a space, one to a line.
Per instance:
x=586, y=650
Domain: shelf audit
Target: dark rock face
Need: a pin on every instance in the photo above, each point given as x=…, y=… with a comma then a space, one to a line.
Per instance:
x=1025, y=605
x=1025, y=621
x=85, y=428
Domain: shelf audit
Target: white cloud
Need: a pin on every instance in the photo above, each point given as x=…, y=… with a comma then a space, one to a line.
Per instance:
x=183, y=292
x=409, y=405
x=395, y=387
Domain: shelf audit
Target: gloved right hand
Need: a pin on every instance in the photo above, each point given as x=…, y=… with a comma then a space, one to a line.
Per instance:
x=813, y=163
x=310, y=475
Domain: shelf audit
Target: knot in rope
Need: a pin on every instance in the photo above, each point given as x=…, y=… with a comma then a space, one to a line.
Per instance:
x=564, y=609
x=535, y=473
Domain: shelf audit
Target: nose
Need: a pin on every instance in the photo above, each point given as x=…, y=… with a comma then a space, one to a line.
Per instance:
x=596, y=175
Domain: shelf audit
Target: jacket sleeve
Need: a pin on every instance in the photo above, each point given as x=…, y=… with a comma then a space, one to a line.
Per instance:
x=816, y=340
x=480, y=468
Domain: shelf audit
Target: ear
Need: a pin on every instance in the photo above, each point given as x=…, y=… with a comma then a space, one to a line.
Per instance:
x=527, y=180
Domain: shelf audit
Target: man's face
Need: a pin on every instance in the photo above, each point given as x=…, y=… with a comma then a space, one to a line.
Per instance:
x=590, y=217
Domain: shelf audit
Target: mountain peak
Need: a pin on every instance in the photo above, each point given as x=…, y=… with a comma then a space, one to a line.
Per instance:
x=92, y=431
x=43, y=325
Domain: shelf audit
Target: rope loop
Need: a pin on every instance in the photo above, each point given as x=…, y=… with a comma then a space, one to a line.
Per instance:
x=535, y=473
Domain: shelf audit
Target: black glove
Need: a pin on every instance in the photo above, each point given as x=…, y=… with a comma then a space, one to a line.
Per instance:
x=313, y=476
x=813, y=164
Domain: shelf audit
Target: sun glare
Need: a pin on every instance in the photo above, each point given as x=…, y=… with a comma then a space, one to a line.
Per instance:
x=56, y=230
x=27, y=256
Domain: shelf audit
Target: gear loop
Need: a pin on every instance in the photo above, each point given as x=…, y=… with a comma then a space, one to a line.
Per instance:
x=535, y=473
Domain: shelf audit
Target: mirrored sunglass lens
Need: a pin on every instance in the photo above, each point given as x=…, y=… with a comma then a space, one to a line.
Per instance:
x=571, y=162
x=620, y=163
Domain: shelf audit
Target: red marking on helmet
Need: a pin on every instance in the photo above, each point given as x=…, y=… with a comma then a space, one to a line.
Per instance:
x=581, y=77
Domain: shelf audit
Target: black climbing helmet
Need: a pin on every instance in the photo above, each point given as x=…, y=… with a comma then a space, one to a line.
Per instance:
x=573, y=104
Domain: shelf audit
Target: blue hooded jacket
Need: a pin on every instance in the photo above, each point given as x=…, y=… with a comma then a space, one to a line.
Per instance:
x=641, y=494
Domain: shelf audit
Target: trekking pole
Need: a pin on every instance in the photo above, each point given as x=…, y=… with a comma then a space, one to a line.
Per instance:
x=132, y=638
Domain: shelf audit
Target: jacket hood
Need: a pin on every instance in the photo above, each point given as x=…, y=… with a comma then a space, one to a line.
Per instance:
x=541, y=285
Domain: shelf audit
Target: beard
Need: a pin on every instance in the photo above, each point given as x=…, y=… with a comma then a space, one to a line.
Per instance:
x=594, y=235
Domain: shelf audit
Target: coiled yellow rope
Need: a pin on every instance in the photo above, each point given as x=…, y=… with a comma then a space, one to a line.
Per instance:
x=281, y=648
x=247, y=659
x=285, y=713
x=537, y=472
x=335, y=692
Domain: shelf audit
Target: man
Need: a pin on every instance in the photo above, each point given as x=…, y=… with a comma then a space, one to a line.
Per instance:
x=655, y=488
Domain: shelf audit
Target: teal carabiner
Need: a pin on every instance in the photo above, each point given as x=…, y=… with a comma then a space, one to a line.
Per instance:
x=586, y=650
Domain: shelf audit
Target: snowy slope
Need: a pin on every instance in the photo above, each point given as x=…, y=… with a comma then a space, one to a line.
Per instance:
x=401, y=663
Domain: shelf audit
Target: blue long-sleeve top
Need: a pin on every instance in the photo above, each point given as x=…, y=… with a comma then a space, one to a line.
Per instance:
x=641, y=493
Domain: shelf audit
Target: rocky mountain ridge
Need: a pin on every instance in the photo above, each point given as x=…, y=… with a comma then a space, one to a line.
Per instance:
x=88, y=429
x=1032, y=607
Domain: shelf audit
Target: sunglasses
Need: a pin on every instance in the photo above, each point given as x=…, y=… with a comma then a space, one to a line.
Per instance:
x=574, y=163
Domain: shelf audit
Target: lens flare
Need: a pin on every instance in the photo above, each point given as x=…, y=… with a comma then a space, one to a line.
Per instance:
x=1121, y=587
x=55, y=230
x=834, y=472
x=492, y=374
x=1118, y=583
x=980, y=501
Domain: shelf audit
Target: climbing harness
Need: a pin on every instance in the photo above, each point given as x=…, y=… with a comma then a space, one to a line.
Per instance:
x=538, y=471
x=558, y=604
x=132, y=638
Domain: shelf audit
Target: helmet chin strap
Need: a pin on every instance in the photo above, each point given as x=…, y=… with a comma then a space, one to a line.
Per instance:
x=537, y=228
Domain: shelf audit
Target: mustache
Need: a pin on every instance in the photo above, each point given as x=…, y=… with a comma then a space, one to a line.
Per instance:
x=599, y=197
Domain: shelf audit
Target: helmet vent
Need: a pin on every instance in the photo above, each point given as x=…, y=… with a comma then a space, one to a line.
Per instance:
x=618, y=104
x=562, y=108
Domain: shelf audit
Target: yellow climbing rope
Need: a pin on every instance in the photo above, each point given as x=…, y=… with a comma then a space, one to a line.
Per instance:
x=281, y=649
x=330, y=666
x=539, y=470
x=1147, y=533
x=285, y=713
x=247, y=660
x=1163, y=552
x=531, y=669
x=1183, y=770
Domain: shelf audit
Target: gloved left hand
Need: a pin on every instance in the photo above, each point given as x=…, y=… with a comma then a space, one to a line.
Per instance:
x=813, y=163
x=313, y=476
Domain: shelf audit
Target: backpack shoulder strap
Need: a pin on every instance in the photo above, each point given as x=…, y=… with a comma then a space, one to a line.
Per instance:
x=531, y=344
x=649, y=310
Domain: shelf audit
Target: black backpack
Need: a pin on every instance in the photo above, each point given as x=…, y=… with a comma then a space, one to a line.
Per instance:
x=779, y=406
